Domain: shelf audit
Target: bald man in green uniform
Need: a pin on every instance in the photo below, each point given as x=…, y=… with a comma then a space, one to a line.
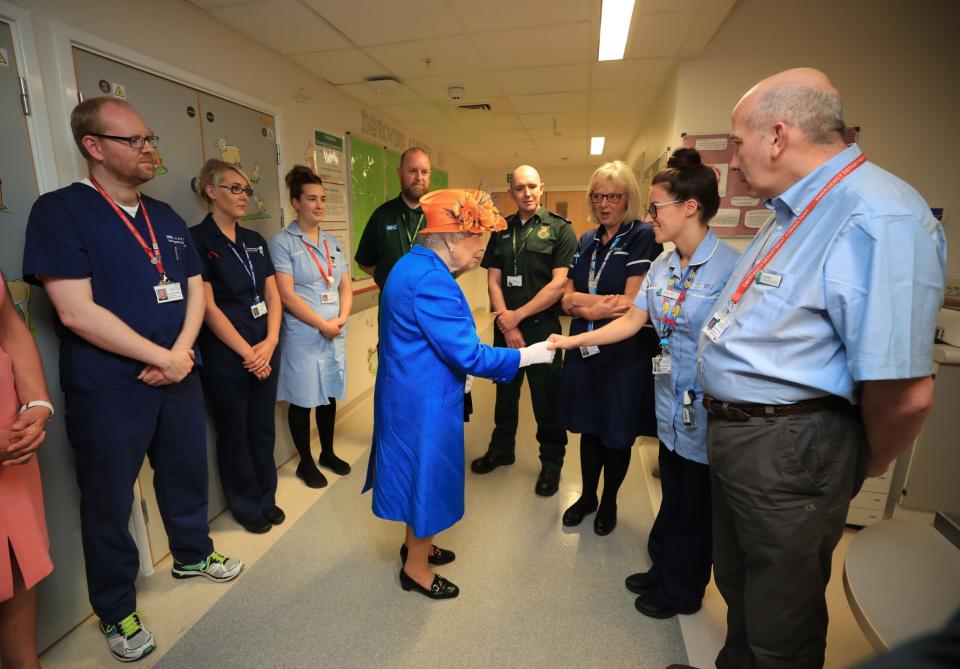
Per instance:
x=526, y=274
x=394, y=225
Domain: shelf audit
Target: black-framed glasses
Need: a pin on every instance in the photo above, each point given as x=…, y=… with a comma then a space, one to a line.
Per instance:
x=612, y=198
x=236, y=189
x=135, y=141
x=657, y=206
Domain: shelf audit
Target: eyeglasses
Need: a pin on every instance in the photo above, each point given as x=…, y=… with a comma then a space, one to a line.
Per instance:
x=657, y=206
x=136, y=141
x=236, y=189
x=612, y=198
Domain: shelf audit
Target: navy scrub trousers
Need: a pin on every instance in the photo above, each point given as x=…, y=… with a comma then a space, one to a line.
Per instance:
x=111, y=431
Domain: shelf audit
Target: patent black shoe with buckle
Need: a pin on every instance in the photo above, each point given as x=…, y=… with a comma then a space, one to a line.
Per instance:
x=440, y=589
x=489, y=461
x=547, y=483
x=438, y=556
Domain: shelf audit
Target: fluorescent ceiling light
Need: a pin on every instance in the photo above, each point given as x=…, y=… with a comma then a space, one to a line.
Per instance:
x=614, y=26
x=596, y=145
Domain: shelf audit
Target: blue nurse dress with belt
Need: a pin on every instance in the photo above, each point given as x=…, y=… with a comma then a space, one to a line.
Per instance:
x=312, y=367
x=428, y=345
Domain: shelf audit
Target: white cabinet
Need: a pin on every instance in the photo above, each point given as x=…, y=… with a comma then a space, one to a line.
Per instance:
x=870, y=503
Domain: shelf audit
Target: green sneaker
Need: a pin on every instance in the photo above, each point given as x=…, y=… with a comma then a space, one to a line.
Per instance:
x=128, y=639
x=215, y=566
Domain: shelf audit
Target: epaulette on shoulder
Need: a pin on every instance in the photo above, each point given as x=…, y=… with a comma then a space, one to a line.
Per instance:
x=562, y=218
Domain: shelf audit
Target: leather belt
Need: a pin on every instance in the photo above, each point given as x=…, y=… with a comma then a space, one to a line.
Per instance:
x=744, y=412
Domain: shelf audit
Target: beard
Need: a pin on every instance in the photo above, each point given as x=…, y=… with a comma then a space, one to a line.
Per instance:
x=415, y=191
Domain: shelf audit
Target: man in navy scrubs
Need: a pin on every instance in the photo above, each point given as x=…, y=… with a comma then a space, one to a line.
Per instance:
x=122, y=272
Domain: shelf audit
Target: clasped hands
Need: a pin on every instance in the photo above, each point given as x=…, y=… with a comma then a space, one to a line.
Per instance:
x=20, y=441
x=332, y=327
x=176, y=364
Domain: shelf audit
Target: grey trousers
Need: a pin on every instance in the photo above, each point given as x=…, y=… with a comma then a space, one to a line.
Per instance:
x=781, y=488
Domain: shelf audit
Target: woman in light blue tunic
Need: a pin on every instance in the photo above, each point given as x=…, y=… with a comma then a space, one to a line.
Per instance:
x=314, y=283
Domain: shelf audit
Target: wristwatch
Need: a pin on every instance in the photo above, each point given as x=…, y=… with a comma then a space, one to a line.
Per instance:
x=39, y=403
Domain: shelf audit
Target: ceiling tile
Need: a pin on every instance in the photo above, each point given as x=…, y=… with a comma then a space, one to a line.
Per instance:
x=658, y=35
x=496, y=14
x=447, y=55
x=369, y=22
x=557, y=79
x=645, y=73
x=549, y=103
x=565, y=132
x=367, y=93
x=629, y=97
x=478, y=121
x=283, y=25
x=346, y=66
x=506, y=135
x=554, y=45
x=478, y=87
x=420, y=111
x=665, y=6
x=619, y=116
x=547, y=119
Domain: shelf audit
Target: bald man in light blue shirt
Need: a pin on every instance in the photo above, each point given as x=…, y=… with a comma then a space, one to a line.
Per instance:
x=816, y=371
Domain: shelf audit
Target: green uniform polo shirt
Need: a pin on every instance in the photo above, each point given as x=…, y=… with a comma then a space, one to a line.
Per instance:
x=389, y=234
x=544, y=243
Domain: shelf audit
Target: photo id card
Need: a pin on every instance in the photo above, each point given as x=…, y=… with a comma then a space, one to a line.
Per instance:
x=514, y=281
x=587, y=351
x=168, y=292
x=329, y=297
x=662, y=364
x=716, y=325
x=259, y=309
x=689, y=414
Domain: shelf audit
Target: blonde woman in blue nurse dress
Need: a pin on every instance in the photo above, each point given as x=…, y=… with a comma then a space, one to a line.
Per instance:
x=314, y=283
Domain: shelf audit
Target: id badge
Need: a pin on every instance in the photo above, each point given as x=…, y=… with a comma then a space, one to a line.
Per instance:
x=662, y=364
x=514, y=281
x=587, y=351
x=689, y=414
x=329, y=297
x=669, y=294
x=769, y=279
x=168, y=292
x=259, y=309
x=716, y=325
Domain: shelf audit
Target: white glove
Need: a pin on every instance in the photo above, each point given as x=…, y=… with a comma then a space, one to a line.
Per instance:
x=468, y=386
x=536, y=354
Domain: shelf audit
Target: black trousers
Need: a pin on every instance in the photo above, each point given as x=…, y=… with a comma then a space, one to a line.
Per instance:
x=781, y=488
x=243, y=415
x=680, y=540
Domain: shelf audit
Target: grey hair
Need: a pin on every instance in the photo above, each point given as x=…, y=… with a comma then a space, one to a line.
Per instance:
x=440, y=240
x=817, y=113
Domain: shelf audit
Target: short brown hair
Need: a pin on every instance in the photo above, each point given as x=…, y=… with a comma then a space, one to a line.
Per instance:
x=211, y=174
x=85, y=119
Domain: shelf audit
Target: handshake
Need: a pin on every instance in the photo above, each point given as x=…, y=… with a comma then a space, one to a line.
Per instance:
x=536, y=354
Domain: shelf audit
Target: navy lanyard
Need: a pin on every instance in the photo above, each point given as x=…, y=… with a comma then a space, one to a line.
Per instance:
x=247, y=266
x=593, y=278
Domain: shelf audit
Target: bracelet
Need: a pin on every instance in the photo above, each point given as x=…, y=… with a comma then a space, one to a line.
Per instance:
x=39, y=403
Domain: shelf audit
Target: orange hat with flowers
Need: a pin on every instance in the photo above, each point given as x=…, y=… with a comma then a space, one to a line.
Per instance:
x=460, y=210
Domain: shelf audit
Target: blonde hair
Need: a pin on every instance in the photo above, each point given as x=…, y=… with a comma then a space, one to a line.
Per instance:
x=621, y=176
x=212, y=174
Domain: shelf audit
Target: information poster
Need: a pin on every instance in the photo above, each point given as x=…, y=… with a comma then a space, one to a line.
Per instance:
x=328, y=160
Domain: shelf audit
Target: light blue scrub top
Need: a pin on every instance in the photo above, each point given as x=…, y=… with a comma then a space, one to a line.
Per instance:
x=862, y=281
x=714, y=261
x=312, y=367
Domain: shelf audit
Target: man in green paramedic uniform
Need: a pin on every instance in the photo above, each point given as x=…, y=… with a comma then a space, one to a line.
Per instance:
x=394, y=225
x=526, y=274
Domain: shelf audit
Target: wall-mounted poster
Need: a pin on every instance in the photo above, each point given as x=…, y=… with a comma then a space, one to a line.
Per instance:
x=740, y=214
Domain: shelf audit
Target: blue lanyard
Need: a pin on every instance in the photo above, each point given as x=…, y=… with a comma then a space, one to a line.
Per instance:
x=593, y=277
x=247, y=266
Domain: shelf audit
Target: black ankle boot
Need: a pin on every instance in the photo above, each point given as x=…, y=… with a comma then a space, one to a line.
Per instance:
x=309, y=474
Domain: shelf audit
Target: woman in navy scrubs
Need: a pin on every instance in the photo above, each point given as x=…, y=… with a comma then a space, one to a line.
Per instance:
x=606, y=392
x=238, y=346
x=314, y=283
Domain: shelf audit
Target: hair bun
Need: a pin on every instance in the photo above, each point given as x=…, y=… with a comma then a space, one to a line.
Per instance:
x=299, y=175
x=684, y=158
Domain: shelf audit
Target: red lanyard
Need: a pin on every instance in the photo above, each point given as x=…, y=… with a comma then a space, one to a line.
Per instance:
x=748, y=280
x=328, y=276
x=153, y=254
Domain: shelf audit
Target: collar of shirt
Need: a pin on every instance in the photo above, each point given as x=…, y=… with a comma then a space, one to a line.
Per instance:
x=210, y=226
x=622, y=230
x=707, y=247
x=799, y=195
x=294, y=229
x=539, y=215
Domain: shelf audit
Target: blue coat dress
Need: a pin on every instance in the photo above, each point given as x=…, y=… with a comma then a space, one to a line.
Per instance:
x=428, y=345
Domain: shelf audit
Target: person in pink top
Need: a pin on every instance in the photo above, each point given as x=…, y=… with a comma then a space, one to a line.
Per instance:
x=25, y=409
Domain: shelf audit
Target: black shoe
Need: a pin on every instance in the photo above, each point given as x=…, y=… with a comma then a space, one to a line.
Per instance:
x=650, y=605
x=641, y=582
x=309, y=474
x=548, y=482
x=605, y=521
x=333, y=463
x=574, y=515
x=438, y=556
x=490, y=461
x=274, y=515
x=259, y=526
x=441, y=588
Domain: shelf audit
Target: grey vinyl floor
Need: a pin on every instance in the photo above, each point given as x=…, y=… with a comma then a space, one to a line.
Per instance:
x=533, y=594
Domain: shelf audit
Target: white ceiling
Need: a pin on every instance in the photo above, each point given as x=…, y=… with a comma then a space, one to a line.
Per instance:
x=534, y=61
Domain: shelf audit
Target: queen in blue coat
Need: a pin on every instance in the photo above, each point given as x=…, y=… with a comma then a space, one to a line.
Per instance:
x=428, y=345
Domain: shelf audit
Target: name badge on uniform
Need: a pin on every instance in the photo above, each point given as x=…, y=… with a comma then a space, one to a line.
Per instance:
x=168, y=292
x=662, y=364
x=587, y=351
x=769, y=279
x=716, y=325
x=514, y=281
x=329, y=297
x=259, y=309
x=668, y=293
